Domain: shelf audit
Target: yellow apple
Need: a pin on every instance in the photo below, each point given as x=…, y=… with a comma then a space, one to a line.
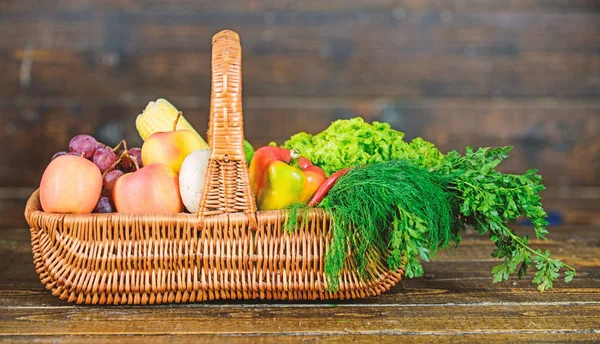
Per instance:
x=170, y=148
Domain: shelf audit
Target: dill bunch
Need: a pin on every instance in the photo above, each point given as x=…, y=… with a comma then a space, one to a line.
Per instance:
x=393, y=206
x=297, y=217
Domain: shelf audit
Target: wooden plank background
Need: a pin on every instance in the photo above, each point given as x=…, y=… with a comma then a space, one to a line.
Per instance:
x=485, y=72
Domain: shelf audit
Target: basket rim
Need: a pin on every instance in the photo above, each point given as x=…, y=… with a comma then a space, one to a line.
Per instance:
x=34, y=209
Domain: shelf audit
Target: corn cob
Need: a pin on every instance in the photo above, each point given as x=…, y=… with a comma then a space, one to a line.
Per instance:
x=160, y=116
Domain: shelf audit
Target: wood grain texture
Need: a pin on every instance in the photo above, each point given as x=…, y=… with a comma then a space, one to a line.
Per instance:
x=552, y=337
x=455, y=301
x=494, y=33
x=339, y=48
x=301, y=320
x=309, y=5
x=380, y=337
x=113, y=75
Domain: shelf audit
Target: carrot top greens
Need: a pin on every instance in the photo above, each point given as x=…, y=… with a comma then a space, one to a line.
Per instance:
x=488, y=200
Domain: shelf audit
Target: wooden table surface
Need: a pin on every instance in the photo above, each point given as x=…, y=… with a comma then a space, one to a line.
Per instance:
x=455, y=300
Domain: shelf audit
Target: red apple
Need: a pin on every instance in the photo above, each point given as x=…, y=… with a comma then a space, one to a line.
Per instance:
x=153, y=189
x=70, y=184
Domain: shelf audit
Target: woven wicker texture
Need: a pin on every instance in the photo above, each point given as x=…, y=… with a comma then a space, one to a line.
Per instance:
x=227, y=187
x=227, y=251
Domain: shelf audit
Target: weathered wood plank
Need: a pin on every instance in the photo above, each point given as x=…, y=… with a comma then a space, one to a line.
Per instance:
x=316, y=33
x=295, y=319
x=309, y=5
x=381, y=337
x=57, y=72
x=562, y=147
x=461, y=289
x=495, y=337
x=382, y=53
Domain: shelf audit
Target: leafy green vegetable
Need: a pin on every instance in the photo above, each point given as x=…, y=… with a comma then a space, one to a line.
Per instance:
x=353, y=142
x=488, y=201
x=408, y=238
x=393, y=205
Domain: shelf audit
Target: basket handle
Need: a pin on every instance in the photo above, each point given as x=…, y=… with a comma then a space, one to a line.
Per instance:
x=227, y=185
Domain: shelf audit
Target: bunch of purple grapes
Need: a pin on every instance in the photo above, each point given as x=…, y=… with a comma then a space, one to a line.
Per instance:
x=112, y=162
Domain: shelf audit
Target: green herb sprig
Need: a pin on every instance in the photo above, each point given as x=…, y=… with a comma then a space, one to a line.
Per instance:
x=297, y=217
x=488, y=201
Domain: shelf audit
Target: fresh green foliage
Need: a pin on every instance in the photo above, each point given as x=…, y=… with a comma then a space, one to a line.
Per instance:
x=297, y=217
x=488, y=201
x=392, y=205
x=408, y=238
x=353, y=142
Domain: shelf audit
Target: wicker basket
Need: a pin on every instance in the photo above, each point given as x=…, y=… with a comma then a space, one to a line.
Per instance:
x=226, y=251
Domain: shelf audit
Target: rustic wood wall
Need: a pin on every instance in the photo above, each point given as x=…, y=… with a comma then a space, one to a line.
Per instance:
x=483, y=72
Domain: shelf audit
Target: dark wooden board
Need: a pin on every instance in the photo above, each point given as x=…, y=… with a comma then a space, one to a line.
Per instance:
x=384, y=336
x=308, y=5
x=564, y=148
x=169, y=73
x=490, y=33
x=300, y=320
x=87, y=53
